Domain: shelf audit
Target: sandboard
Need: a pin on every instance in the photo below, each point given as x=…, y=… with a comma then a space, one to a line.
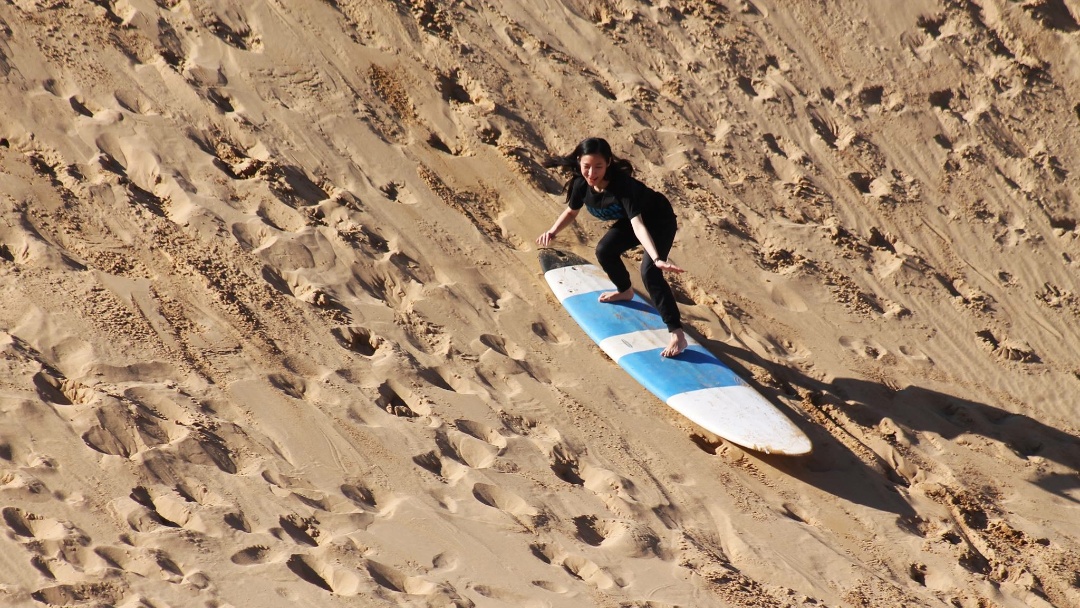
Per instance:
x=695, y=383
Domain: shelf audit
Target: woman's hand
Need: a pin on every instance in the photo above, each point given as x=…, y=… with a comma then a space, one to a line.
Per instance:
x=545, y=238
x=642, y=233
x=668, y=266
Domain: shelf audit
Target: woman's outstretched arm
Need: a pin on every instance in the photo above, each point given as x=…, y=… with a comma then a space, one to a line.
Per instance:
x=565, y=218
x=643, y=236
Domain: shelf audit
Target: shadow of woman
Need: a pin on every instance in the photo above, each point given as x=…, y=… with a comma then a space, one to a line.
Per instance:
x=843, y=465
x=949, y=416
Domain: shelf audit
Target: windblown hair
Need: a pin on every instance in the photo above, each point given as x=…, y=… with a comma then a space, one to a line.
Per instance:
x=570, y=163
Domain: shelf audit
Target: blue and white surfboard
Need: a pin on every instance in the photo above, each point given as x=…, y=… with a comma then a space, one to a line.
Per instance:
x=696, y=383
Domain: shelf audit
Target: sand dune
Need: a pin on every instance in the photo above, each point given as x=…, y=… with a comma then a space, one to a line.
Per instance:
x=273, y=332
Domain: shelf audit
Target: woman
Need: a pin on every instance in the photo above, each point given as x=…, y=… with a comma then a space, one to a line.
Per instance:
x=605, y=186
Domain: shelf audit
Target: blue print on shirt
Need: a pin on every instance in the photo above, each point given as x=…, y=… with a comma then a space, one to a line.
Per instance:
x=611, y=212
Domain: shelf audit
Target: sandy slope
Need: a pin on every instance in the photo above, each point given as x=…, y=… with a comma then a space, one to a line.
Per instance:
x=273, y=333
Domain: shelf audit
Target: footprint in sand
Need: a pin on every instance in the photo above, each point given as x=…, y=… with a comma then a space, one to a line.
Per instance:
x=255, y=554
x=221, y=99
x=351, y=510
x=390, y=400
x=588, y=530
x=504, y=500
x=551, y=586
x=469, y=450
x=549, y=334
x=395, y=580
x=871, y=95
x=445, y=561
x=457, y=451
x=125, y=431
x=1007, y=349
x=769, y=347
x=369, y=241
x=129, y=428
x=915, y=356
x=623, y=536
x=324, y=572
x=796, y=513
x=224, y=447
x=494, y=299
x=112, y=157
x=133, y=101
x=574, y=467
x=58, y=549
x=231, y=26
x=902, y=470
x=565, y=466
x=483, y=432
x=174, y=507
x=503, y=346
x=141, y=513
x=146, y=562
x=867, y=349
x=253, y=234
x=98, y=594
x=357, y=339
x=187, y=505
x=576, y=565
x=301, y=530
x=22, y=484
x=35, y=527
x=832, y=132
x=608, y=484
x=309, y=570
x=237, y=522
x=504, y=597
x=290, y=384
x=473, y=443
x=430, y=461
x=54, y=388
x=786, y=295
x=360, y=495
x=504, y=359
x=563, y=459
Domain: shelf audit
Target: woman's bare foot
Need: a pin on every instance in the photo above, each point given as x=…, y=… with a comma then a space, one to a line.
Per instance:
x=677, y=344
x=617, y=296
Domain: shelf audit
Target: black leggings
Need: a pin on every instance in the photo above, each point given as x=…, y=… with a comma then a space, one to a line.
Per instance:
x=619, y=239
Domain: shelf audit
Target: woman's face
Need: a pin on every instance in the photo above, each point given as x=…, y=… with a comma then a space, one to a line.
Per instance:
x=593, y=168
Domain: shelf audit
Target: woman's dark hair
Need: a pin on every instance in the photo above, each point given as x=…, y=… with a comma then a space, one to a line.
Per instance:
x=592, y=145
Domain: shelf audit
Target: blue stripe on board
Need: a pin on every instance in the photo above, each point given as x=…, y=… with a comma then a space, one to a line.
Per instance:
x=601, y=320
x=695, y=369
